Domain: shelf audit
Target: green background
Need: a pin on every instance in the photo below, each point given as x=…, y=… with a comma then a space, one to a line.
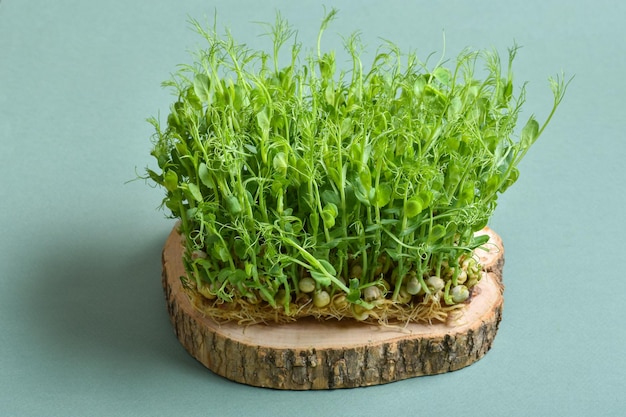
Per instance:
x=84, y=330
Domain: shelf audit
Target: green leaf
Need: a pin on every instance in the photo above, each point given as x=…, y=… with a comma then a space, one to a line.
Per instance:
x=373, y=227
x=413, y=207
x=436, y=233
x=328, y=267
x=240, y=248
x=320, y=278
x=239, y=97
x=451, y=229
x=263, y=121
x=510, y=180
x=456, y=105
x=443, y=75
x=329, y=219
x=530, y=132
x=383, y=222
x=329, y=214
x=220, y=252
x=327, y=65
x=170, y=180
x=237, y=276
x=346, y=127
x=365, y=179
x=478, y=241
x=232, y=205
x=192, y=99
x=204, y=175
x=466, y=194
x=201, y=86
x=508, y=91
x=332, y=209
x=155, y=177
x=359, y=192
x=174, y=201
x=330, y=197
x=251, y=148
x=418, y=86
x=427, y=197
x=314, y=221
x=355, y=293
x=382, y=195
x=195, y=192
x=280, y=163
x=329, y=95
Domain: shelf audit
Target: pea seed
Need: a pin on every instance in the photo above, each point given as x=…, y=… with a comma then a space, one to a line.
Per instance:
x=403, y=296
x=307, y=285
x=372, y=293
x=356, y=271
x=360, y=313
x=435, y=283
x=321, y=299
x=459, y=293
x=340, y=301
x=413, y=287
x=198, y=254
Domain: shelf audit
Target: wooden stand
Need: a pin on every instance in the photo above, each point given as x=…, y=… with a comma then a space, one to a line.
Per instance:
x=310, y=354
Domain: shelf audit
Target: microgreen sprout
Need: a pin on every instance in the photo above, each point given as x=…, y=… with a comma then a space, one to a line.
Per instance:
x=306, y=190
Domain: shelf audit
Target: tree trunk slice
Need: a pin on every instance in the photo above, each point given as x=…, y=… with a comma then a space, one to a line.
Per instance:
x=310, y=354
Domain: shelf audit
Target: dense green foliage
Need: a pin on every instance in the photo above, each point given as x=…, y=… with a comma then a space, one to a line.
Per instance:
x=303, y=179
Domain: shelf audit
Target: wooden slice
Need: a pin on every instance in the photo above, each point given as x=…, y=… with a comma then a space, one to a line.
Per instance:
x=310, y=354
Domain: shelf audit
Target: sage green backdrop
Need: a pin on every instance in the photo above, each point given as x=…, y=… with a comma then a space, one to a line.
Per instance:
x=84, y=330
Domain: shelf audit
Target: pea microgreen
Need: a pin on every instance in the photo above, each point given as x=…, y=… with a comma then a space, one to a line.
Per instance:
x=355, y=189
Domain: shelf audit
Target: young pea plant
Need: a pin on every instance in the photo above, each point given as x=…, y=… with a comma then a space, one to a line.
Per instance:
x=308, y=190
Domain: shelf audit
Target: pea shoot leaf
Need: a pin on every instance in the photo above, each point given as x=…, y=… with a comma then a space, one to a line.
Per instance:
x=529, y=133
